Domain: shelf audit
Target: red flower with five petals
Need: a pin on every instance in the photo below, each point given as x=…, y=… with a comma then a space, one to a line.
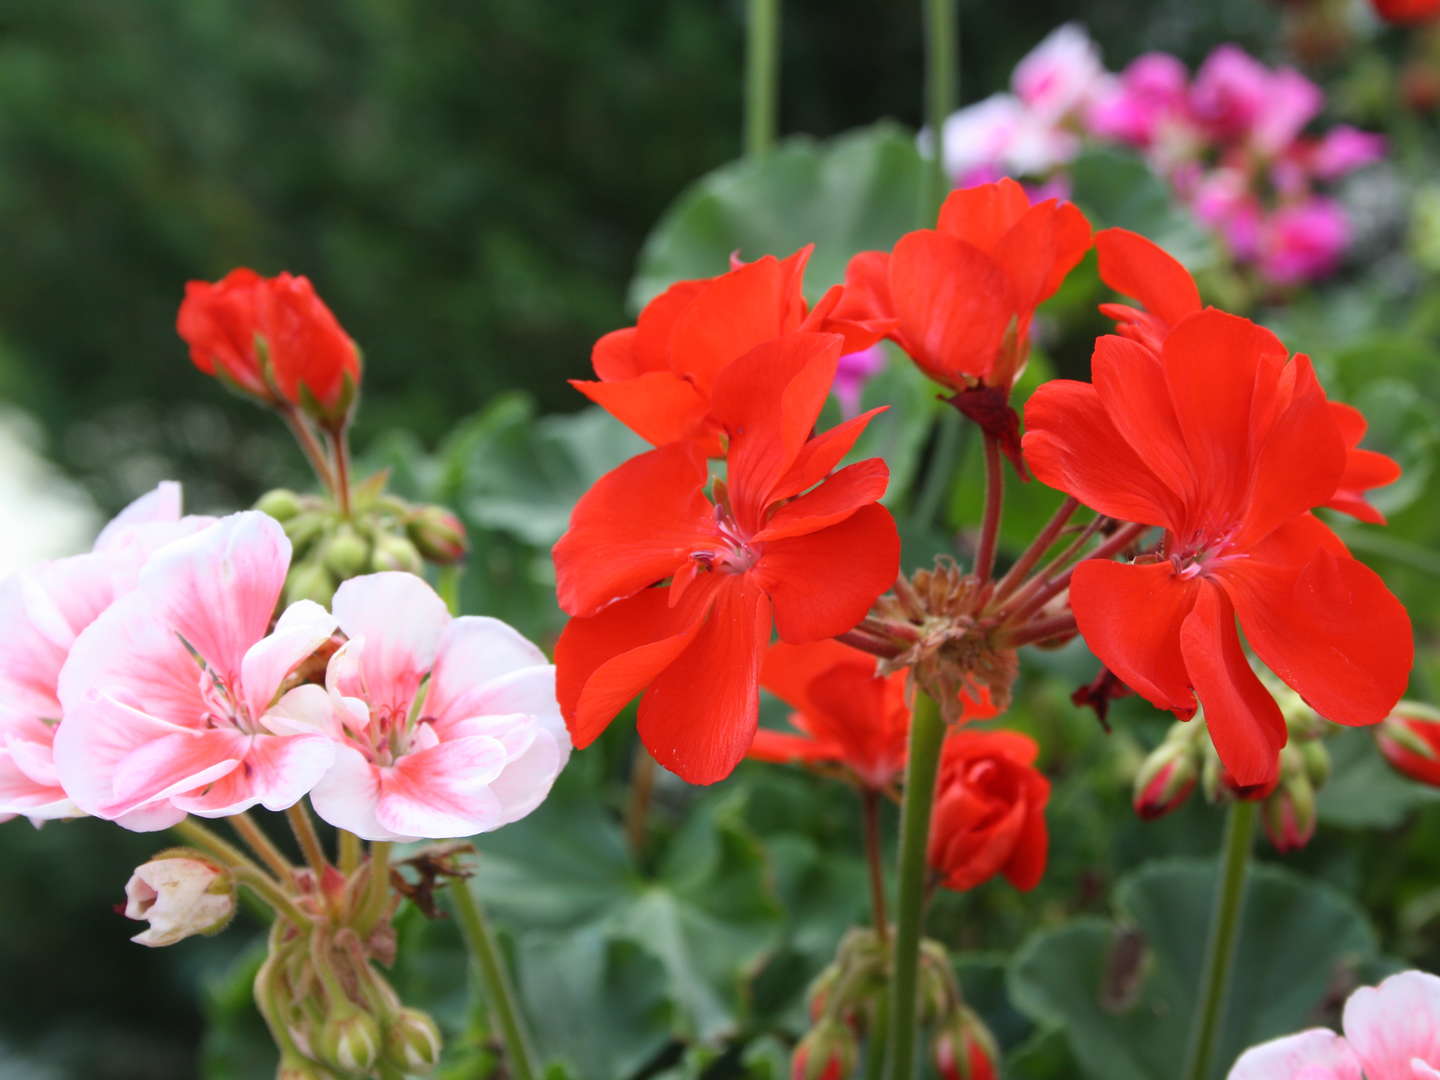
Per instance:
x=962, y=295
x=273, y=338
x=784, y=542
x=1134, y=266
x=989, y=815
x=656, y=377
x=1226, y=444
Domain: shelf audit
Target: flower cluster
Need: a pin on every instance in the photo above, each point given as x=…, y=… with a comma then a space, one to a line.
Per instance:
x=674, y=579
x=1229, y=139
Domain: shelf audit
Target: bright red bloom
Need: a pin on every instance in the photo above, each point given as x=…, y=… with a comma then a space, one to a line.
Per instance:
x=989, y=815
x=1406, y=12
x=1226, y=444
x=785, y=541
x=304, y=348
x=656, y=377
x=962, y=295
x=1134, y=266
x=1410, y=741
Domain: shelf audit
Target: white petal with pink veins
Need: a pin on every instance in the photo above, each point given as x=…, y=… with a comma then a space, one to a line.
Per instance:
x=475, y=650
x=347, y=794
x=1395, y=1023
x=527, y=779
x=217, y=589
x=172, y=765
x=21, y=794
x=402, y=620
x=277, y=772
x=530, y=691
x=31, y=746
x=1316, y=1054
x=301, y=629
x=159, y=505
x=443, y=792
x=306, y=710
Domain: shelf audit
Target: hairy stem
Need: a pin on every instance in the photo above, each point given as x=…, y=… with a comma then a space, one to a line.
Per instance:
x=308, y=839
x=340, y=440
x=194, y=833
x=349, y=851
x=263, y=846
x=1041, y=544
x=309, y=445
x=500, y=992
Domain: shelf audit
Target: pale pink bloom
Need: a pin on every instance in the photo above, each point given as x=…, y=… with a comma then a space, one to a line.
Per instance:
x=979, y=136
x=1060, y=75
x=1291, y=102
x=446, y=726
x=168, y=696
x=1343, y=149
x=42, y=611
x=179, y=896
x=1392, y=1032
x=1228, y=95
x=1303, y=241
x=1148, y=97
x=1222, y=199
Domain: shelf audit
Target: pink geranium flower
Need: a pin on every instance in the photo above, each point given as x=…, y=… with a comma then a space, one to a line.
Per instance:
x=171, y=698
x=42, y=611
x=1392, y=1032
x=445, y=726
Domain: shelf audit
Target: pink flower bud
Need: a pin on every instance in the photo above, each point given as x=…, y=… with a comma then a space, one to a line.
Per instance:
x=179, y=893
x=438, y=534
x=1410, y=740
x=964, y=1049
x=1288, y=813
x=1169, y=774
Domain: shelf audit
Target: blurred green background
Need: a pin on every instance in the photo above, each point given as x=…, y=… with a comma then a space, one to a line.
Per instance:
x=469, y=185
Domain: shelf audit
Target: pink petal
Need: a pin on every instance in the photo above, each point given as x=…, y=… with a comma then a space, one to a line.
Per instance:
x=347, y=794
x=218, y=588
x=402, y=621
x=443, y=792
x=473, y=651
x=1316, y=1054
x=308, y=710
x=302, y=629
x=160, y=505
x=277, y=771
x=529, y=691
x=172, y=764
x=21, y=793
x=1395, y=1023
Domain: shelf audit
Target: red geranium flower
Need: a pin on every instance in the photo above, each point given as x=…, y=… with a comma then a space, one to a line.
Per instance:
x=1134, y=266
x=962, y=295
x=656, y=377
x=1406, y=12
x=846, y=712
x=1226, y=444
x=989, y=815
x=784, y=540
x=273, y=338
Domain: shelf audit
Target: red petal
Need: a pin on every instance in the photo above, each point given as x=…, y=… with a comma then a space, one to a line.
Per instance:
x=823, y=584
x=783, y=748
x=821, y=454
x=733, y=314
x=656, y=325
x=829, y=504
x=1072, y=445
x=1130, y=616
x=658, y=406
x=1027, y=865
x=867, y=290
x=1132, y=387
x=1245, y=723
x=1042, y=247
x=1138, y=268
x=699, y=716
x=1323, y=622
x=953, y=303
x=637, y=525
x=790, y=671
x=613, y=356
x=603, y=661
x=983, y=214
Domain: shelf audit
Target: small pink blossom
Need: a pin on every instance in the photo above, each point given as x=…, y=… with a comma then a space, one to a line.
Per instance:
x=1228, y=95
x=1061, y=74
x=42, y=611
x=1291, y=102
x=171, y=697
x=1148, y=97
x=1392, y=1032
x=1303, y=241
x=852, y=373
x=1343, y=149
x=445, y=726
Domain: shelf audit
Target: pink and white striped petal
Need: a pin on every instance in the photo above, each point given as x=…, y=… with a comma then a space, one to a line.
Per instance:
x=301, y=629
x=1395, y=1027
x=276, y=771
x=401, y=621
x=1317, y=1054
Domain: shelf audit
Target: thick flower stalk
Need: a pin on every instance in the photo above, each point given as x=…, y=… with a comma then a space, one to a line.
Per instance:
x=783, y=543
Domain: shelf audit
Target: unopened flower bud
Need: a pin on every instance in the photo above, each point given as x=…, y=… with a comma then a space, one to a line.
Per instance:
x=1410, y=740
x=282, y=504
x=938, y=992
x=821, y=989
x=1166, y=778
x=412, y=1042
x=438, y=534
x=303, y=530
x=349, y=1041
x=344, y=552
x=295, y=1067
x=310, y=581
x=1316, y=758
x=180, y=893
x=1289, y=811
x=827, y=1052
x=395, y=553
x=964, y=1049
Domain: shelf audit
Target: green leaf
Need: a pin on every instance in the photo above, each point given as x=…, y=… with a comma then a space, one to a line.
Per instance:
x=1363, y=792
x=1115, y=187
x=1126, y=1001
x=859, y=191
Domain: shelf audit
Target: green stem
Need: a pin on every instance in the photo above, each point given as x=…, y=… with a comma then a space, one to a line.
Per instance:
x=340, y=440
x=309, y=445
x=194, y=833
x=349, y=852
x=309, y=840
x=875, y=1047
x=499, y=991
x=941, y=67
x=377, y=887
x=263, y=846
x=927, y=732
x=263, y=886
x=447, y=584
x=762, y=75
x=1220, y=947
x=870, y=808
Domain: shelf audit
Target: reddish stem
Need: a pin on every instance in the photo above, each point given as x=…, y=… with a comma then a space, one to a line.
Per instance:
x=1113, y=546
x=1041, y=630
x=1041, y=544
x=994, y=502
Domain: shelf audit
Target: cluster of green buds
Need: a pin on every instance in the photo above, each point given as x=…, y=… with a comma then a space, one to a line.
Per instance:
x=845, y=1002
x=380, y=532
x=331, y=1012
x=1288, y=806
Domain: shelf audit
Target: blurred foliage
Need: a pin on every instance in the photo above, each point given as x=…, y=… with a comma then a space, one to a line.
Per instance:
x=471, y=186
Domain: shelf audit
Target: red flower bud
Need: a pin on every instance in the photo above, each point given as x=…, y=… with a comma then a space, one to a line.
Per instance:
x=1410, y=740
x=1406, y=12
x=438, y=534
x=1169, y=774
x=272, y=338
x=827, y=1052
x=964, y=1049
